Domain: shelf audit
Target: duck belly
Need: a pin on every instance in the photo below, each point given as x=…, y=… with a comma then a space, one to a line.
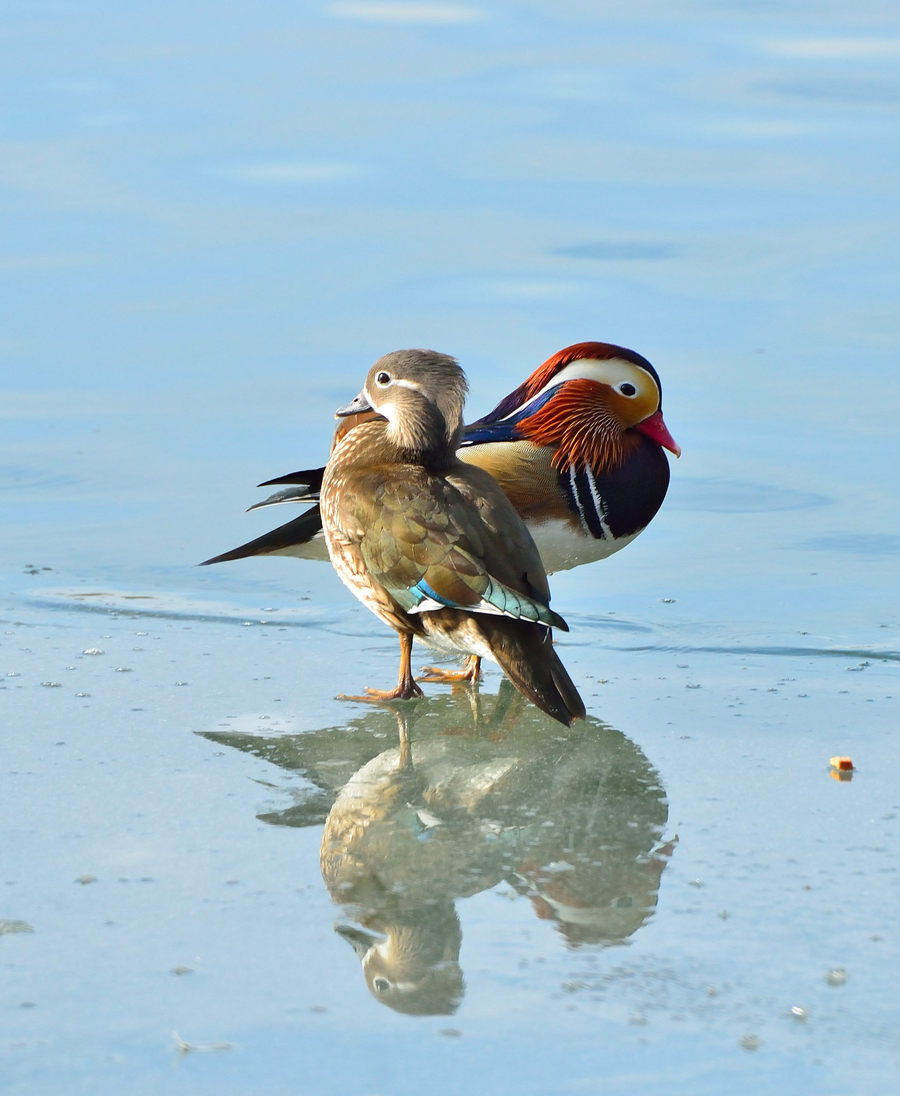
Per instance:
x=563, y=544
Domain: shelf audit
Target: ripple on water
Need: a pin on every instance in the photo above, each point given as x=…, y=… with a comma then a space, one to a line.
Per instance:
x=725, y=496
x=678, y=640
x=20, y=479
x=172, y=607
x=863, y=544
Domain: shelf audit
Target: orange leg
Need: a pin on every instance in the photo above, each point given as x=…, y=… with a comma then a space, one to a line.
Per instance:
x=406, y=689
x=471, y=671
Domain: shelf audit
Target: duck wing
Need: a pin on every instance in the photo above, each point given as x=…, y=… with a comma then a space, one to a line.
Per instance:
x=447, y=542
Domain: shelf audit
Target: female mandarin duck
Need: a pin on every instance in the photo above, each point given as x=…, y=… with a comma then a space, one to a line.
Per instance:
x=432, y=545
x=578, y=449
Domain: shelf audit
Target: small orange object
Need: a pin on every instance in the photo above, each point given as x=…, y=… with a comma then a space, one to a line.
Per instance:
x=842, y=764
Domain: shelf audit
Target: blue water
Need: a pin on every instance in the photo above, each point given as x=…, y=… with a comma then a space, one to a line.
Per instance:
x=213, y=220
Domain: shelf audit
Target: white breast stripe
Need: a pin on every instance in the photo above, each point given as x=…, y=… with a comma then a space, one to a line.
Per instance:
x=599, y=505
x=575, y=496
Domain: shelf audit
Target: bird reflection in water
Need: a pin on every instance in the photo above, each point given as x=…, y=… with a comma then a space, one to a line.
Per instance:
x=479, y=791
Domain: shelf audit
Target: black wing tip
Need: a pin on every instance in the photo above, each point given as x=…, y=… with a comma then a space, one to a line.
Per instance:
x=558, y=622
x=297, y=532
x=308, y=477
x=225, y=557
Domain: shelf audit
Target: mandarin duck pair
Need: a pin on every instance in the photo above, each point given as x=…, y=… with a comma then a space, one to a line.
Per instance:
x=447, y=532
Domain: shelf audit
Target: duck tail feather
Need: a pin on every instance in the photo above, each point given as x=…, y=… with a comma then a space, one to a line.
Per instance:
x=301, y=537
x=526, y=655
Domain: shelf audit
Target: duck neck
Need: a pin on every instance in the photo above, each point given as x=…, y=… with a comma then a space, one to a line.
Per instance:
x=421, y=436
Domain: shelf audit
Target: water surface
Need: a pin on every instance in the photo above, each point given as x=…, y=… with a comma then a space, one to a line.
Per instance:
x=213, y=222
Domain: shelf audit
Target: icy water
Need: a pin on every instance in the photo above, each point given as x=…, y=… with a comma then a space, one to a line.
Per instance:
x=216, y=877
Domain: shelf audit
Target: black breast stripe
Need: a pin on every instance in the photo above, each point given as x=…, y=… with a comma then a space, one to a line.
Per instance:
x=621, y=502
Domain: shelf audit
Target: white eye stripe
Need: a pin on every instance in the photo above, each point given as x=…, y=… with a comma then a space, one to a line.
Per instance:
x=611, y=371
x=382, y=395
x=400, y=382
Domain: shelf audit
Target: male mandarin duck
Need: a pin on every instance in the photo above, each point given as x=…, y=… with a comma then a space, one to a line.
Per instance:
x=432, y=545
x=578, y=449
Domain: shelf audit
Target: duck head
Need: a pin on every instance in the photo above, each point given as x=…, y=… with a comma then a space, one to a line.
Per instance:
x=584, y=401
x=421, y=394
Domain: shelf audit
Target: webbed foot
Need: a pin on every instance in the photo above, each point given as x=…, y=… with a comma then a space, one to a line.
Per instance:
x=407, y=691
x=471, y=671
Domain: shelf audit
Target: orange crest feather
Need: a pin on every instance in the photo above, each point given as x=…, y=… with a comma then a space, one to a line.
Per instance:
x=580, y=425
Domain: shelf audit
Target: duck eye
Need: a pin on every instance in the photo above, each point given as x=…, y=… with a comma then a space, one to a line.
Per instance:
x=383, y=379
x=627, y=389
